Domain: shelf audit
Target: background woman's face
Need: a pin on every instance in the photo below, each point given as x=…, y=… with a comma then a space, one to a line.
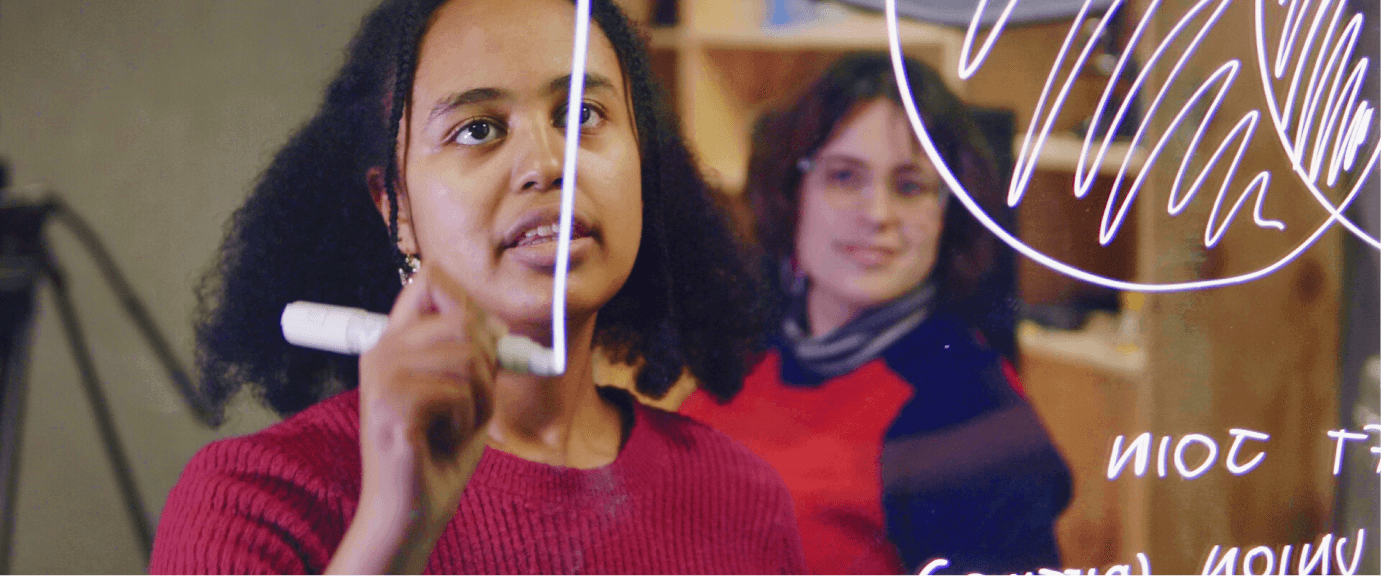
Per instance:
x=871, y=212
x=484, y=158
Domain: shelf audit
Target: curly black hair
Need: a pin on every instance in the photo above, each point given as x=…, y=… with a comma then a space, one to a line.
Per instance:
x=309, y=231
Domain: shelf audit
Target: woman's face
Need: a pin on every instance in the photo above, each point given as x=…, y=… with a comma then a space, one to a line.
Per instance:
x=484, y=144
x=871, y=210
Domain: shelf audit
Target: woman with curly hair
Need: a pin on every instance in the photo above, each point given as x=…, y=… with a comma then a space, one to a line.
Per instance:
x=902, y=433
x=437, y=153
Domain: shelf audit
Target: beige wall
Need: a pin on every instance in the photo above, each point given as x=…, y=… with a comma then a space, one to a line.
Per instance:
x=151, y=118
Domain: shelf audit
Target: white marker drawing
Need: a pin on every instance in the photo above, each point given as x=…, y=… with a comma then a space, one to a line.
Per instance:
x=563, y=237
x=1347, y=120
x=1343, y=119
x=966, y=66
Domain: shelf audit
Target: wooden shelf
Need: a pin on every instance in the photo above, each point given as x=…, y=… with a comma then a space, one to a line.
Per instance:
x=1091, y=347
x=729, y=177
x=852, y=32
x=1061, y=152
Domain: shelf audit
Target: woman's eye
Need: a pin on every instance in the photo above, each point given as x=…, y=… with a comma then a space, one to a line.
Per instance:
x=476, y=133
x=843, y=176
x=910, y=188
x=589, y=117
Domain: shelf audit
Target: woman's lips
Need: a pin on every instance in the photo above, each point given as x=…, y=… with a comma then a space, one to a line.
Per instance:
x=544, y=219
x=867, y=256
x=531, y=240
x=540, y=252
x=549, y=233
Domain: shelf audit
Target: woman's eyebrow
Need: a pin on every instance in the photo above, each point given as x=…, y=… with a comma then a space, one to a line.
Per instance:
x=593, y=81
x=473, y=96
x=842, y=157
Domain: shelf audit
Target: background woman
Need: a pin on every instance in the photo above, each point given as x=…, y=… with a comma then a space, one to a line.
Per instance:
x=902, y=435
x=448, y=121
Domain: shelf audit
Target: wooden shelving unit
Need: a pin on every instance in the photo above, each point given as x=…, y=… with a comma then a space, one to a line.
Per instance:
x=852, y=32
x=1095, y=347
x=723, y=68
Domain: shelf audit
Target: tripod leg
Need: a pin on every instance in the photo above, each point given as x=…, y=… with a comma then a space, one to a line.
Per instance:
x=136, y=310
x=16, y=308
x=100, y=408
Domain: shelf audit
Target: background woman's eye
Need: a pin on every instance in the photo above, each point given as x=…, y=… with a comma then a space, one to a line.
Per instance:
x=912, y=188
x=477, y=132
x=843, y=176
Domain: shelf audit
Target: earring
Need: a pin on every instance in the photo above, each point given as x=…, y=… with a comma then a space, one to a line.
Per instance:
x=410, y=265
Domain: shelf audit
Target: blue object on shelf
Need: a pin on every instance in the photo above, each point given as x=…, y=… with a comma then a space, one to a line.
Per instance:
x=782, y=13
x=960, y=12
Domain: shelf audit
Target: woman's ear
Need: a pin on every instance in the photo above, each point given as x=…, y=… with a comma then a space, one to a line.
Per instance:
x=407, y=240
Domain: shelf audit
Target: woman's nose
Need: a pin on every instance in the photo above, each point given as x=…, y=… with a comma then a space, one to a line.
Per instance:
x=878, y=205
x=538, y=164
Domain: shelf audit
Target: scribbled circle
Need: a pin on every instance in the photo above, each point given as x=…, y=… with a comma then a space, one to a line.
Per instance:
x=1328, y=82
x=918, y=126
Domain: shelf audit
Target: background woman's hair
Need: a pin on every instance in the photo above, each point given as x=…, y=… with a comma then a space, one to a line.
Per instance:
x=970, y=258
x=309, y=231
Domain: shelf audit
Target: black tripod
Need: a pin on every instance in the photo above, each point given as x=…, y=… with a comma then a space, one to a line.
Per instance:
x=26, y=260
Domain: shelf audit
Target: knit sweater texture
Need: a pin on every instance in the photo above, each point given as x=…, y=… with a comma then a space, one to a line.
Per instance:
x=679, y=498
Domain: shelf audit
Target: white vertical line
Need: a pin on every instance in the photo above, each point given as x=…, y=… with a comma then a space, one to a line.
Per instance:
x=563, y=241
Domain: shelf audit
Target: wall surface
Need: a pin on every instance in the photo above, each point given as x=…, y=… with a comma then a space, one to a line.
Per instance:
x=152, y=119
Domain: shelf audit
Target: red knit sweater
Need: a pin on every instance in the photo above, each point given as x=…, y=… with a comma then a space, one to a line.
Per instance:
x=679, y=498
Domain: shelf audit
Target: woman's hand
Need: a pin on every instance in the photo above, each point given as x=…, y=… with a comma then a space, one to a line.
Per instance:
x=426, y=397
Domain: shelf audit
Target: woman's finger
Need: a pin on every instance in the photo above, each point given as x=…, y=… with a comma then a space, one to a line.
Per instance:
x=443, y=357
x=432, y=330
x=444, y=409
x=447, y=295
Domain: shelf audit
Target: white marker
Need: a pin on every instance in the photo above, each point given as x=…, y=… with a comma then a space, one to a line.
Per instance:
x=346, y=330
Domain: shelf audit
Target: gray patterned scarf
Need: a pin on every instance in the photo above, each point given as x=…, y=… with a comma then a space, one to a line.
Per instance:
x=856, y=342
